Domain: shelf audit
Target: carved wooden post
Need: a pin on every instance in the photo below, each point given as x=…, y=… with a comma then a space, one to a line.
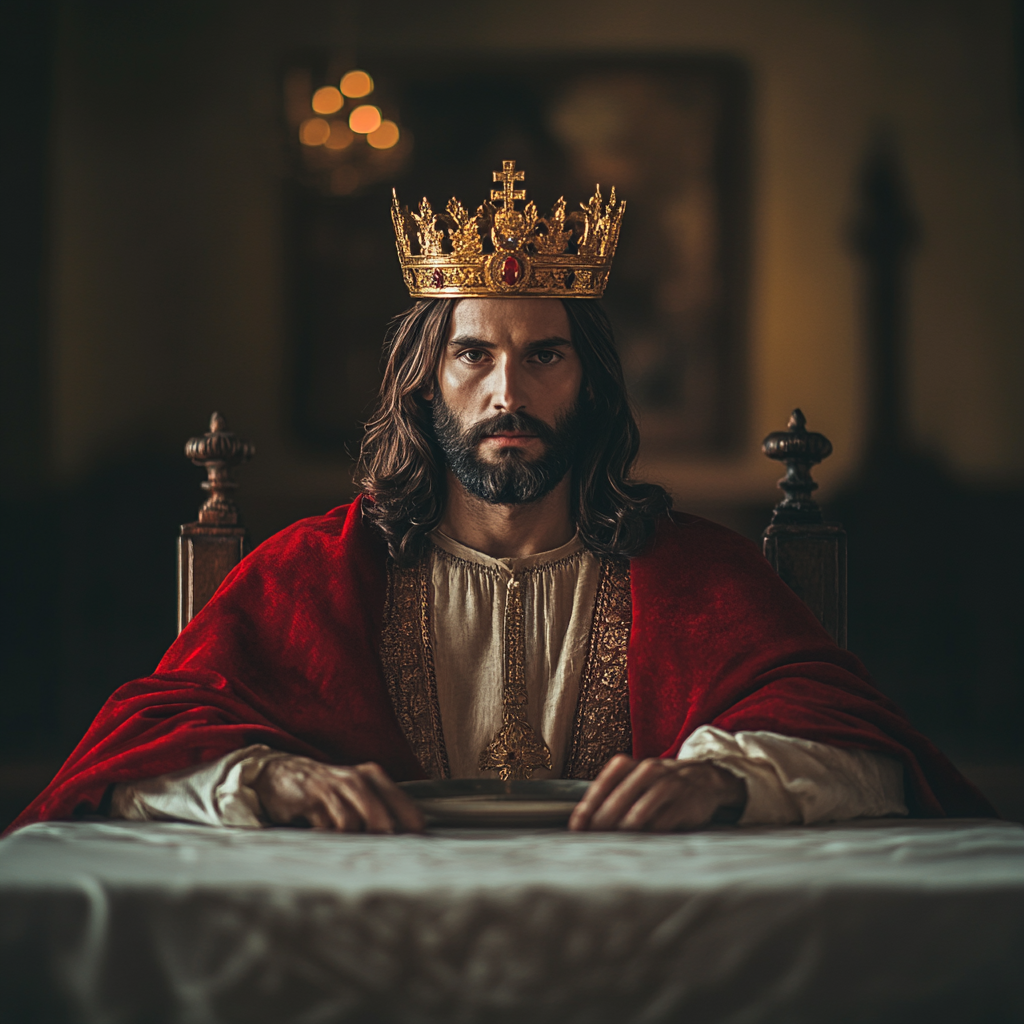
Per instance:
x=211, y=547
x=809, y=554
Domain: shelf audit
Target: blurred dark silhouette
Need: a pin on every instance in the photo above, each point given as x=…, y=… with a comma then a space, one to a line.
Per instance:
x=935, y=566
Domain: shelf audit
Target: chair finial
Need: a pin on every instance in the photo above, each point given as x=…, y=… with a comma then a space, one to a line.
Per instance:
x=218, y=450
x=800, y=449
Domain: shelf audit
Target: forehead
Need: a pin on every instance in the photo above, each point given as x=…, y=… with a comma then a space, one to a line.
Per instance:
x=512, y=321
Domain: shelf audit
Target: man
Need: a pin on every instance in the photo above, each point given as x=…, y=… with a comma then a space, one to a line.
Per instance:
x=503, y=600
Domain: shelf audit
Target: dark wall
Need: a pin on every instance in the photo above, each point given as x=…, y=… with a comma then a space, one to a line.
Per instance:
x=28, y=521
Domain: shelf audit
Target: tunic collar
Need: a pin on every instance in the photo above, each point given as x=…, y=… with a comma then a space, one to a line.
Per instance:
x=506, y=565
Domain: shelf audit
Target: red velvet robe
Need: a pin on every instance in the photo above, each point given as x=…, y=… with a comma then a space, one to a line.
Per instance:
x=287, y=654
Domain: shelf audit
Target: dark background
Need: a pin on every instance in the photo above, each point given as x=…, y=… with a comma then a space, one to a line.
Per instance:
x=150, y=213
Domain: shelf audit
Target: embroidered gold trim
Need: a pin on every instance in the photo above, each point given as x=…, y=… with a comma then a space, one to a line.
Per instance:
x=408, y=658
x=516, y=751
x=602, y=727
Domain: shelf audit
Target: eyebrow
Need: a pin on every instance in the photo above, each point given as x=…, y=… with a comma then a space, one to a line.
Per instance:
x=468, y=341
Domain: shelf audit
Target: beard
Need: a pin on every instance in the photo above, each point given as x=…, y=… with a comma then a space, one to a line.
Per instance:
x=513, y=478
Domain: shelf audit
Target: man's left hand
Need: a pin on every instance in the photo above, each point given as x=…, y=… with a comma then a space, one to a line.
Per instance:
x=656, y=795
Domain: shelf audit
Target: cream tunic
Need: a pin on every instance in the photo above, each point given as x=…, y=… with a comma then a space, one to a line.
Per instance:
x=788, y=780
x=469, y=600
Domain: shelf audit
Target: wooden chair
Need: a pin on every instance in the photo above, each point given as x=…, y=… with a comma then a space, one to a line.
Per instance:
x=808, y=553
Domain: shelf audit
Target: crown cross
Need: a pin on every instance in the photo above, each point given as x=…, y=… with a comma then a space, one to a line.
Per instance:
x=508, y=175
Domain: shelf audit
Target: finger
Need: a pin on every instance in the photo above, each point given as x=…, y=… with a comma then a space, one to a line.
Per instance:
x=278, y=813
x=622, y=798
x=685, y=815
x=287, y=807
x=281, y=788
x=353, y=788
x=707, y=788
x=610, y=776
x=316, y=817
x=668, y=792
x=343, y=816
x=402, y=809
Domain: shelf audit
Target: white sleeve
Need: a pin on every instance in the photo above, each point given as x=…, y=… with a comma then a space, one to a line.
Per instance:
x=215, y=793
x=795, y=781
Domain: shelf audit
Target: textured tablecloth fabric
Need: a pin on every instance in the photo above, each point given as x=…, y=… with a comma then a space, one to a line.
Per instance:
x=871, y=921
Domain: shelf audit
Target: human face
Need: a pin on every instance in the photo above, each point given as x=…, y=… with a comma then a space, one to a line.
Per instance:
x=509, y=356
x=511, y=456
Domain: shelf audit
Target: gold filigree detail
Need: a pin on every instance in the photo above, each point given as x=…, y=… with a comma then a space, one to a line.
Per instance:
x=516, y=751
x=464, y=231
x=407, y=654
x=400, y=217
x=602, y=726
x=531, y=254
x=556, y=237
x=468, y=277
x=511, y=229
x=600, y=227
x=428, y=234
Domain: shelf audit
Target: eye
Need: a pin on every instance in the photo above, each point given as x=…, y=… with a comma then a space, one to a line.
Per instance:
x=547, y=356
x=472, y=356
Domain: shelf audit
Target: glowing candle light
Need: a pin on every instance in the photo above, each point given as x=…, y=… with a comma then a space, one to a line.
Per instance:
x=364, y=119
x=327, y=100
x=357, y=84
x=314, y=132
x=341, y=137
x=385, y=136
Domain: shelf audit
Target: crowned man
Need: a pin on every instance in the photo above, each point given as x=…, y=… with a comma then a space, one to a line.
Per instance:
x=503, y=600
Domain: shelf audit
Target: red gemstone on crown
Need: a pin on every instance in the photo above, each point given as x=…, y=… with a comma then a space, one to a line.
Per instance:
x=438, y=279
x=511, y=270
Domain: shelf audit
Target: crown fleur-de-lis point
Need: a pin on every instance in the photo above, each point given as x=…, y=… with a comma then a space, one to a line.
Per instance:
x=508, y=176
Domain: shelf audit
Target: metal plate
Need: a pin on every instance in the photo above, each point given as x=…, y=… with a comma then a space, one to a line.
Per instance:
x=492, y=803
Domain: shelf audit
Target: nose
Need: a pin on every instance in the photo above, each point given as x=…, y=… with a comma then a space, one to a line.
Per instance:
x=508, y=394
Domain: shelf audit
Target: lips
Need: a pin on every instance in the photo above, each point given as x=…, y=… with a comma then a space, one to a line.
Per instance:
x=508, y=430
x=509, y=438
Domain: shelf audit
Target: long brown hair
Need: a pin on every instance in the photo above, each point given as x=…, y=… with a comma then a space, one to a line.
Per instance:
x=402, y=468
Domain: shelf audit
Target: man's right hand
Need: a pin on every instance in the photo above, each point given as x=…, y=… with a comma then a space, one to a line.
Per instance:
x=361, y=798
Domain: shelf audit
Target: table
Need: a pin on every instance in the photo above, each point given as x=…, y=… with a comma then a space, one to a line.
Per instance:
x=867, y=921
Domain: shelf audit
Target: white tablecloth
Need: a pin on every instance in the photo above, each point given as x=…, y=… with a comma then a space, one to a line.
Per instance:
x=873, y=921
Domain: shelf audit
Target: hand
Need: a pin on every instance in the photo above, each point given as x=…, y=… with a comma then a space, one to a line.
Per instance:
x=656, y=796
x=300, y=791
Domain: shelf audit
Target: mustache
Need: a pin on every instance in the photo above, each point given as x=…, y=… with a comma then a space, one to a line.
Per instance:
x=509, y=423
x=513, y=479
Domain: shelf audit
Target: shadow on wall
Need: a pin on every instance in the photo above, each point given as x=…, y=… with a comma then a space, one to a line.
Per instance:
x=90, y=597
x=936, y=604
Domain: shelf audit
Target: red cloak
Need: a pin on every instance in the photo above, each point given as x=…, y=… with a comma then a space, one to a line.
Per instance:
x=287, y=654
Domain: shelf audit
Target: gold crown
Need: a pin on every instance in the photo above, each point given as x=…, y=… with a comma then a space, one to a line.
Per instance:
x=531, y=254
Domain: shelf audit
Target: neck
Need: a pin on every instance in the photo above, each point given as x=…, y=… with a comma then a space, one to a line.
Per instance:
x=508, y=531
